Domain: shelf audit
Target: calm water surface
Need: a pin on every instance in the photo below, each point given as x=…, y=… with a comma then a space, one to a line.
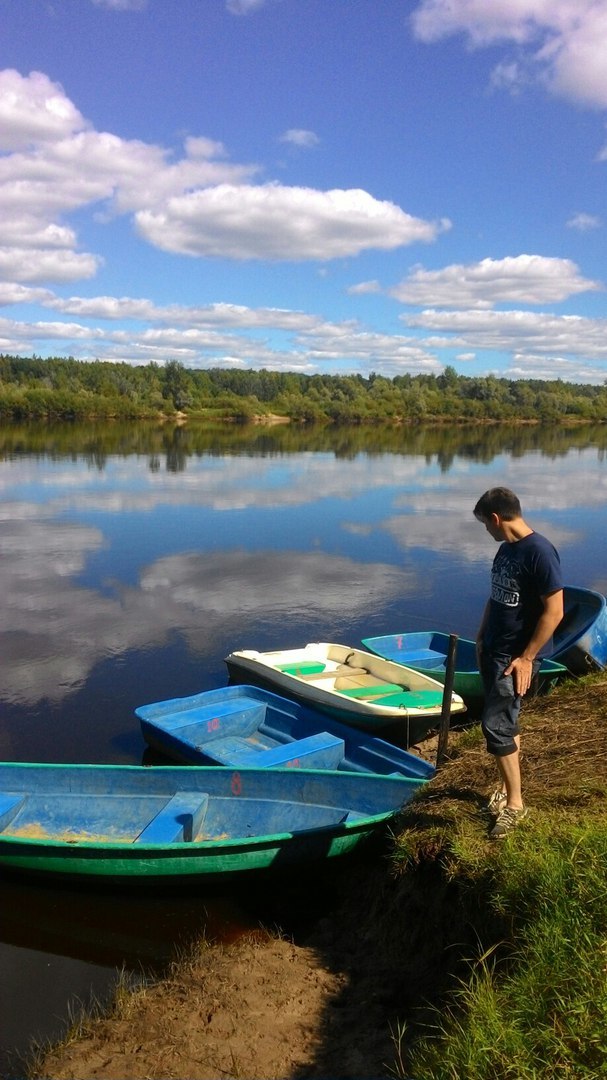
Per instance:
x=135, y=558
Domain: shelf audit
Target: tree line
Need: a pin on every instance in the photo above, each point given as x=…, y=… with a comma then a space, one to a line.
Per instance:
x=64, y=388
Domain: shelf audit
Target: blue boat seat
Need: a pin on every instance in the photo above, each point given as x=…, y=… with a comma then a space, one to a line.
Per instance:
x=10, y=806
x=178, y=821
x=423, y=656
x=319, y=751
x=229, y=750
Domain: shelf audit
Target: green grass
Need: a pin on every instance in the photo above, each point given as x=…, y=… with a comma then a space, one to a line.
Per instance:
x=533, y=1003
x=539, y=1010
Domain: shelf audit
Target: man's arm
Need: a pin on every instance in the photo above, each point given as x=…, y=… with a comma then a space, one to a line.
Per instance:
x=521, y=667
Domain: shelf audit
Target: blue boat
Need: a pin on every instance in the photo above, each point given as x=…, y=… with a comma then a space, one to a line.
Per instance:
x=246, y=725
x=580, y=641
x=127, y=822
x=427, y=651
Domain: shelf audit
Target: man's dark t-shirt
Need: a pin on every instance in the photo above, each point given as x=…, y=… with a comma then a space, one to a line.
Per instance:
x=522, y=573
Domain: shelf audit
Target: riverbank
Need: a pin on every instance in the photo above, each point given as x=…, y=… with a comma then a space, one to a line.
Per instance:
x=440, y=919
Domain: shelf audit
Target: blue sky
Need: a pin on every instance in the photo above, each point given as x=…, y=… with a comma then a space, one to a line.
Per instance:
x=334, y=186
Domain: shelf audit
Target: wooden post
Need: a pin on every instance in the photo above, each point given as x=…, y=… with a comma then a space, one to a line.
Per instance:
x=445, y=719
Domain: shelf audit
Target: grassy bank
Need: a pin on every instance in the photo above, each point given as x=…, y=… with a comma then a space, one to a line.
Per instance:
x=445, y=957
x=532, y=1000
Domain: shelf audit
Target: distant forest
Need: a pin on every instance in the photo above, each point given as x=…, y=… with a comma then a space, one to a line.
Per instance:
x=67, y=389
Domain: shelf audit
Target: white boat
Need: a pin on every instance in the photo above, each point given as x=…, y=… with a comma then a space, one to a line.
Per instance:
x=353, y=685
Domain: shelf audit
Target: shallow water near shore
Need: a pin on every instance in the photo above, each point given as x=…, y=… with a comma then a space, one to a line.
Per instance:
x=135, y=558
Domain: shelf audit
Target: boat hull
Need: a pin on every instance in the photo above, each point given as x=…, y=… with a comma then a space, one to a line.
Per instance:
x=155, y=824
x=427, y=651
x=352, y=685
x=247, y=725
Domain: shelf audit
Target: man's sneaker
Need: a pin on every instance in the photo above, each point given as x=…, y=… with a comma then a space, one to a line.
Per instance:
x=507, y=820
x=497, y=802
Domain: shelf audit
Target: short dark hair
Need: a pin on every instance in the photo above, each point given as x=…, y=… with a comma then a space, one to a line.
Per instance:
x=498, y=500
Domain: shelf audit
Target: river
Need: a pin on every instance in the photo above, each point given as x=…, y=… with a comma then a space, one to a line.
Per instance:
x=135, y=557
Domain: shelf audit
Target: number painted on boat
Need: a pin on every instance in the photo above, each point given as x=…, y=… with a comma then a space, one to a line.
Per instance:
x=214, y=724
x=236, y=784
x=294, y=763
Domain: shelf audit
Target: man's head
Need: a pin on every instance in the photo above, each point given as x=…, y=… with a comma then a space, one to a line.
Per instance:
x=495, y=509
x=500, y=501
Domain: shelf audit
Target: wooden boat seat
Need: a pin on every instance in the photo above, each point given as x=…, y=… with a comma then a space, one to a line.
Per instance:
x=10, y=806
x=178, y=821
x=343, y=669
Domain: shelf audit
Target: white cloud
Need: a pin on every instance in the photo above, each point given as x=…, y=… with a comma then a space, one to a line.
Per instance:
x=34, y=109
x=584, y=222
x=300, y=137
x=244, y=7
x=12, y=293
x=523, y=279
x=271, y=221
x=559, y=43
x=578, y=344
x=201, y=204
x=237, y=316
x=282, y=340
x=40, y=265
x=122, y=5
x=364, y=287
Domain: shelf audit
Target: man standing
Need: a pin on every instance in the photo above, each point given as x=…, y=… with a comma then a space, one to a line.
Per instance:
x=521, y=615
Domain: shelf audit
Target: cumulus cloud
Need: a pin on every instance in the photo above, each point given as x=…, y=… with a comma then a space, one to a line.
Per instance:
x=34, y=109
x=523, y=334
x=559, y=43
x=522, y=279
x=270, y=221
x=52, y=163
x=13, y=293
x=54, y=265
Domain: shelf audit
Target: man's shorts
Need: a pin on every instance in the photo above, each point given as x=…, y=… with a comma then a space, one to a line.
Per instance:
x=499, y=721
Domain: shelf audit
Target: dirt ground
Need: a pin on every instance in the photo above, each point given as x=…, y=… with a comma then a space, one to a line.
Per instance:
x=251, y=1009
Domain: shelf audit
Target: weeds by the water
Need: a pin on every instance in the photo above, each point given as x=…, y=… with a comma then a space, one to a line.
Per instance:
x=80, y=1016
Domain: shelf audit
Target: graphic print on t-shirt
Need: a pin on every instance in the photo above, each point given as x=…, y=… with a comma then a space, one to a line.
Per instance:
x=505, y=585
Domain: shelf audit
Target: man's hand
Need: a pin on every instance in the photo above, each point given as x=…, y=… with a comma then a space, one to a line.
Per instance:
x=521, y=670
